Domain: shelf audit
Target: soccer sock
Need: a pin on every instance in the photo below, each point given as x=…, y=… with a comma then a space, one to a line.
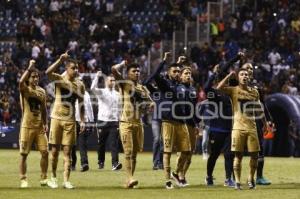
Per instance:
x=180, y=164
x=237, y=167
x=260, y=167
x=187, y=163
x=67, y=167
x=54, y=160
x=44, y=164
x=253, y=167
x=177, y=169
x=167, y=167
x=127, y=163
x=23, y=168
x=133, y=162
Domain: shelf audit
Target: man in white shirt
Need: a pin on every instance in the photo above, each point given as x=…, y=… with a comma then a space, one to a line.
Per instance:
x=35, y=51
x=274, y=57
x=108, y=119
x=82, y=137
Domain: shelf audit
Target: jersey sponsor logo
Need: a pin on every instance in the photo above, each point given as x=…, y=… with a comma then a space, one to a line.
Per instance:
x=249, y=107
x=67, y=96
x=34, y=105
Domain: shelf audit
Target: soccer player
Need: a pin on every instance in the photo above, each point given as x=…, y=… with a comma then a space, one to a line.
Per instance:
x=68, y=88
x=108, y=119
x=245, y=100
x=220, y=126
x=133, y=96
x=174, y=130
x=260, y=179
x=34, y=122
x=189, y=93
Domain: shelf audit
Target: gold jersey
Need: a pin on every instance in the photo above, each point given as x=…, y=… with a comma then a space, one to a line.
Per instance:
x=66, y=94
x=32, y=102
x=245, y=105
x=134, y=100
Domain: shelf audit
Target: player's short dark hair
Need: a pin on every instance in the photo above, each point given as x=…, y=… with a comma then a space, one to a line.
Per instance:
x=133, y=65
x=173, y=65
x=242, y=69
x=70, y=60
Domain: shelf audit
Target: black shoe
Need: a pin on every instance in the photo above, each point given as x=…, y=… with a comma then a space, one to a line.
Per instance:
x=209, y=181
x=101, y=166
x=116, y=166
x=251, y=184
x=176, y=178
x=238, y=186
x=155, y=167
x=169, y=185
x=184, y=183
x=84, y=168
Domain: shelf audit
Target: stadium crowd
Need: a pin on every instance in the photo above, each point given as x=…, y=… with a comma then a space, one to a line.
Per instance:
x=98, y=37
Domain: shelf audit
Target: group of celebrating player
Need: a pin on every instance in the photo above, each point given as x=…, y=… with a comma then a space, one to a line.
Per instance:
x=176, y=105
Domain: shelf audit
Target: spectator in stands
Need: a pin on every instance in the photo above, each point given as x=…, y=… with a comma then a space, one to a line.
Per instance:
x=274, y=57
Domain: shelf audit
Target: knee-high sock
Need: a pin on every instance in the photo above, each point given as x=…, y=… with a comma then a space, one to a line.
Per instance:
x=260, y=166
x=44, y=164
x=67, y=168
x=167, y=167
x=67, y=163
x=133, y=162
x=237, y=168
x=182, y=158
x=23, y=167
x=54, y=161
x=187, y=163
x=253, y=167
x=128, y=164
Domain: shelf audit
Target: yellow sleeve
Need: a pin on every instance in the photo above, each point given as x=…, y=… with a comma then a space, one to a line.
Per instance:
x=28, y=92
x=55, y=77
x=258, y=97
x=228, y=90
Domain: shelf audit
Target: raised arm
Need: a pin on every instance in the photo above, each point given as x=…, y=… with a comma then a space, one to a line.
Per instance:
x=209, y=83
x=156, y=74
x=81, y=109
x=50, y=70
x=94, y=86
x=117, y=70
x=44, y=114
x=226, y=66
x=222, y=84
x=25, y=75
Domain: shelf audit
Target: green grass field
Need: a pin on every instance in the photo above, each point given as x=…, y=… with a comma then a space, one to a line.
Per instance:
x=284, y=173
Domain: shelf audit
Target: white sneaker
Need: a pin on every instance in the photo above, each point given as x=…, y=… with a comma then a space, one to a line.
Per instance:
x=68, y=185
x=44, y=182
x=52, y=183
x=205, y=156
x=24, y=183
